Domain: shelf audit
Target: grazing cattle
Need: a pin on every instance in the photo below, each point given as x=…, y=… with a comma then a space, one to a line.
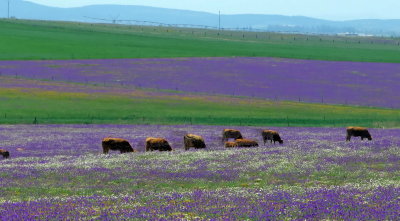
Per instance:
x=357, y=132
x=191, y=140
x=230, y=133
x=116, y=144
x=4, y=153
x=246, y=143
x=230, y=144
x=271, y=135
x=160, y=144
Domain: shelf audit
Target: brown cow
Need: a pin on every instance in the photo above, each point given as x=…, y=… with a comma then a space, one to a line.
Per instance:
x=357, y=132
x=191, y=140
x=4, y=153
x=230, y=133
x=246, y=143
x=122, y=145
x=161, y=144
x=230, y=144
x=271, y=135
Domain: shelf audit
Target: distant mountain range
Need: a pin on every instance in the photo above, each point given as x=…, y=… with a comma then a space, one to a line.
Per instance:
x=124, y=14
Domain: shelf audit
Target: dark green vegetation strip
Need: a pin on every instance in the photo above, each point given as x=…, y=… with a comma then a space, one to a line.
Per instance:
x=23, y=106
x=21, y=39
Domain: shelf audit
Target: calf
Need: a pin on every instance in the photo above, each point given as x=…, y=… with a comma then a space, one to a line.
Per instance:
x=246, y=143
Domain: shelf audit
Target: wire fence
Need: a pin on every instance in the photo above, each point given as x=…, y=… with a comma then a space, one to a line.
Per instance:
x=283, y=121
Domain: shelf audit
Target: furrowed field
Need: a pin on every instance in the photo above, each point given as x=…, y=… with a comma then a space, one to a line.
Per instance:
x=59, y=172
x=135, y=82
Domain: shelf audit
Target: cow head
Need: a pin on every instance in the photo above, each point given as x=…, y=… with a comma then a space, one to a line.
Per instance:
x=369, y=136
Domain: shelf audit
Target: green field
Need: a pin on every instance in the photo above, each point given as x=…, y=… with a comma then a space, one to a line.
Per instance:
x=22, y=106
x=24, y=39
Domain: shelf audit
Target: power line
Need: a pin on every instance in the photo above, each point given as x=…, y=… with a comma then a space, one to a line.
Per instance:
x=152, y=23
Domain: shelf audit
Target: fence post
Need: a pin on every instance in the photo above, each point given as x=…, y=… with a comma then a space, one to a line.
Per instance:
x=35, y=121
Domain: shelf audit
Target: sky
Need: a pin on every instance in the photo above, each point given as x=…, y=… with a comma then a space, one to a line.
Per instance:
x=325, y=9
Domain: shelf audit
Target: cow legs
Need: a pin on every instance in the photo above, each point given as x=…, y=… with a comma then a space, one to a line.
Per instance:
x=105, y=150
x=348, y=138
x=186, y=143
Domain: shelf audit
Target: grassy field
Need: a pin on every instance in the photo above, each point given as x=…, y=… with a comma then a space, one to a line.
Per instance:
x=20, y=39
x=21, y=106
x=58, y=172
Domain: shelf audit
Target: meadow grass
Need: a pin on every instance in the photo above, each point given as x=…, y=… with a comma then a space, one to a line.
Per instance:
x=293, y=166
x=33, y=40
x=61, y=173
x=22, y=106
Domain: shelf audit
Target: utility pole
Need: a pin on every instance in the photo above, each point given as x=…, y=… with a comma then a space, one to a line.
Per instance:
x=219, y=20
x=8, y=9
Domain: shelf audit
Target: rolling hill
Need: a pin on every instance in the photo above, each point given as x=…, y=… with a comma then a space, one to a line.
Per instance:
x=129, y=14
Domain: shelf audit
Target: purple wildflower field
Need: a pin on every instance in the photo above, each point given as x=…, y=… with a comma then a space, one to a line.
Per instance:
x=354, y=83
x=58, y=172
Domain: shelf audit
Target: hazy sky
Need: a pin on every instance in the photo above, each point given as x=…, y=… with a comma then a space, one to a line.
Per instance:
x=327, y=9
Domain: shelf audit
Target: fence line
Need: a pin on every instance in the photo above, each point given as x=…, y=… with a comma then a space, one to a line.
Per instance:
x=209, y=120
